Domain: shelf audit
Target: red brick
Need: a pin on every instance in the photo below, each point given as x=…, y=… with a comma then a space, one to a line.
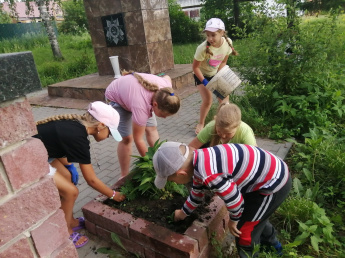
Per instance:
x=26, y=164
x=214, y=220
x=107, y=217
x=27, y=208
x=91, y=227
x=198, y=232
x=16, y=123
x=162, y=240
x=18, y=249
x=51, y=234
x=129, y=244
x=67, y=249
x=152, y=254
x=3, y=188
x=206, y=252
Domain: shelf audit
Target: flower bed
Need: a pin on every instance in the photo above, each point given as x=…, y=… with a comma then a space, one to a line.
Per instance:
x=150, y=240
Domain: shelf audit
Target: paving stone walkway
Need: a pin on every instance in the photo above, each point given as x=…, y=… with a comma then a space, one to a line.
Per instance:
x=179, y=127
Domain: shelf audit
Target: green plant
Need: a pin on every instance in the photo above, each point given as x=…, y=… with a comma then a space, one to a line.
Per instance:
x=116, y=253
x=142, y=176
x=294, y=209
x=318, y=229
x=183, y=29
x=75, y=21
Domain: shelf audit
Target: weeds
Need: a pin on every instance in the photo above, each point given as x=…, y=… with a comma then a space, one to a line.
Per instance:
x=142, y=176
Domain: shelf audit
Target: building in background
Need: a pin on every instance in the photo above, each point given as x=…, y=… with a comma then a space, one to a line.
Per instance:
x=191, y=8
x=22, y=16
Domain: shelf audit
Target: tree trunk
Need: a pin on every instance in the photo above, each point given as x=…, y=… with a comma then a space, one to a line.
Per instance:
x=49, y=28
x=290, y=13
x=236, y=12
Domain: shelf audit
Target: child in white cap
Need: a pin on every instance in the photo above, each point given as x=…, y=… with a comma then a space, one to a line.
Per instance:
x=210, y=56
x=251, y=181
x=66, y=140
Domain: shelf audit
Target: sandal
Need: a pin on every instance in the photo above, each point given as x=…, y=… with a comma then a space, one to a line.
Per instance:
x=75, y=236
x=81, y=224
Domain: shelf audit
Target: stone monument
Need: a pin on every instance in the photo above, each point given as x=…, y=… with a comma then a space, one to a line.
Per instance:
x=138, y=31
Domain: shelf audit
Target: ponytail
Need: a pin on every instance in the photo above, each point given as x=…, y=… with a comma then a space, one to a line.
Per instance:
x=167, y=101
x=233, y=52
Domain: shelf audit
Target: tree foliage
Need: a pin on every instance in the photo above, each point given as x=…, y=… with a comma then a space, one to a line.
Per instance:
x=43, y=7
x=5, y=17
x=183, y=29
x=316, y=6
x=75, y=21
x=233, y=13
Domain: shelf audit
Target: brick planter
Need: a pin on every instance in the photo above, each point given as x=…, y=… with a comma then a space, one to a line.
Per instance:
x=150, y=240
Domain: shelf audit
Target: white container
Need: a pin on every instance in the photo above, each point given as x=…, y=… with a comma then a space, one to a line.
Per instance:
x=115, y=64
x=224, y=82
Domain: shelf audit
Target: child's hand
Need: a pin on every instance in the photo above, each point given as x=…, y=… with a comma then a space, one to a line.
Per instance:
x=119, y=197
x=233, y=228
x=179, y=215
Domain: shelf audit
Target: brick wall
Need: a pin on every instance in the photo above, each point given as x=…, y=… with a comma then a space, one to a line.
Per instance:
x=31, y=222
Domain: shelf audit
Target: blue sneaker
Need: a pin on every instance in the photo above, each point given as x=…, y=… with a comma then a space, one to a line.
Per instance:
x=279, y=248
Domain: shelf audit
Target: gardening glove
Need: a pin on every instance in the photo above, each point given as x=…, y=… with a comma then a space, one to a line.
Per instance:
x=204, y=81
x=74, y=173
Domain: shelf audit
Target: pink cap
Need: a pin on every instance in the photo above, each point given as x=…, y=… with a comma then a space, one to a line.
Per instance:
x=214, y=24
x=107, y=115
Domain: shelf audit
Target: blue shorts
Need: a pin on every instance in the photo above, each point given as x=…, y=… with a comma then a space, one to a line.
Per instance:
x=125, y=125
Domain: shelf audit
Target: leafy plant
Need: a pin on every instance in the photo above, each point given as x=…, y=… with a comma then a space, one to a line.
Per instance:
x=142, y=176
x=114, y=253
x=318, y=229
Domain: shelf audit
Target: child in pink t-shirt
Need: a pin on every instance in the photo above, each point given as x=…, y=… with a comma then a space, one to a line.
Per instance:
x=138, y=97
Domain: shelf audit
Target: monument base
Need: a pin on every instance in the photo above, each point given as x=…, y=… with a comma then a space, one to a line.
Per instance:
x=79, y=92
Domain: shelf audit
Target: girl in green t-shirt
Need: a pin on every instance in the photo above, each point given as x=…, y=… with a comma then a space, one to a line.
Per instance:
x=226, y=127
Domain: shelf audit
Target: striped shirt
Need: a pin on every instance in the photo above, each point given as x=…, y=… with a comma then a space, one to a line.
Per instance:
x=230, y=170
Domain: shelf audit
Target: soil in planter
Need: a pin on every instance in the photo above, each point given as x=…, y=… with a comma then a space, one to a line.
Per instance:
x=160, y=211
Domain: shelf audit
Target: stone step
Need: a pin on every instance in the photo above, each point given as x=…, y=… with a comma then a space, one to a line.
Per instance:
x=92, y=87
x=79, y=92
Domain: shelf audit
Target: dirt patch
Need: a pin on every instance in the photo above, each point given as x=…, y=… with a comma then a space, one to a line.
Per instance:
x=160, y=211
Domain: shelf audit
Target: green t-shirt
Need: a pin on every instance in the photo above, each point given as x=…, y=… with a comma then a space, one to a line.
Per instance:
x=243, y=135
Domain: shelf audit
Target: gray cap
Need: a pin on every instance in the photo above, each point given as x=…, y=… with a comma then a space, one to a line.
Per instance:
x=167, y=160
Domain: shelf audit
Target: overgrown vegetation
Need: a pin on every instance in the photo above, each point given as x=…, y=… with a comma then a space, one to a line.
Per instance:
x=294, y=89
x=294, y=84
x=183, y=29
x=78, y=52
x=142, y=177
x=75, y=21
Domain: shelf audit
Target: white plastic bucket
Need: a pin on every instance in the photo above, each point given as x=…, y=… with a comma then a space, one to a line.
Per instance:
x=224, y=82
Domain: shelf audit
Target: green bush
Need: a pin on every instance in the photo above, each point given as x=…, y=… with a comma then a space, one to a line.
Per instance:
x=183, y=29
x=75, y=21
x=294, y=75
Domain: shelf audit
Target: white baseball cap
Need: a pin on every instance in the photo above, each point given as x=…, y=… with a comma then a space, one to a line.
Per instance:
x=167, y=160
x=214, y=24
x=107, y=115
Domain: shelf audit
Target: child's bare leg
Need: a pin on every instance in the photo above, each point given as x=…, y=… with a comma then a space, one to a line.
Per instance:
x=124, y=152
x=151, y=135
x=68, y=194
x=206, y=102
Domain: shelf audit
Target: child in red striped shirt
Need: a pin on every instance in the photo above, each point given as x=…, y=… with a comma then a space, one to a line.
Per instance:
x=251, y=181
